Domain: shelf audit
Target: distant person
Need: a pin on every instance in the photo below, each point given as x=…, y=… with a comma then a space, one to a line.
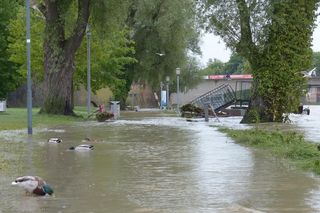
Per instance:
x=228, y=77
x=306, y=111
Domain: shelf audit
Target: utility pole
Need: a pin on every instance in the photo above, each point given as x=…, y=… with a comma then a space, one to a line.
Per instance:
x=29, y=81
x=178, y=71
x=167, y=88
x=88, y=32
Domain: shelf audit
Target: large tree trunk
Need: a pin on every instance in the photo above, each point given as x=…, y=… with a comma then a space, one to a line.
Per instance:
x=257, y=109
x=59, y=54
x=58, y=90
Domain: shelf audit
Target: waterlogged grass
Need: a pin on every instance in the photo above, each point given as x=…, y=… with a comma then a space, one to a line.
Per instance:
x=3, y=163
x=286, y=145
x=16, y=118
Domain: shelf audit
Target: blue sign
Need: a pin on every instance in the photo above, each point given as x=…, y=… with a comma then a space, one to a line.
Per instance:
x=163, y=102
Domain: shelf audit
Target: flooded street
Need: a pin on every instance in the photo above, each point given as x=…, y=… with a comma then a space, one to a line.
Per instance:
x=151, y=162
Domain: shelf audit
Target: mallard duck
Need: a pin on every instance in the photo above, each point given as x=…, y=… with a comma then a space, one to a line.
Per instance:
x=86, y=140
x=82, y=147
x=54, y=140
x=33, y=185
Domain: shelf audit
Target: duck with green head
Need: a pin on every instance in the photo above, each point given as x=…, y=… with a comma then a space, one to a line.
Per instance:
x=33, y=185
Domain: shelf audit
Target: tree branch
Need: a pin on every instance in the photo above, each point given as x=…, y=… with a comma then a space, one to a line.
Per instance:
x=246, y=45
x=73, y=42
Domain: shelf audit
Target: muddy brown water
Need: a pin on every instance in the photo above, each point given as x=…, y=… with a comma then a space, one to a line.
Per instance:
x=151, y=162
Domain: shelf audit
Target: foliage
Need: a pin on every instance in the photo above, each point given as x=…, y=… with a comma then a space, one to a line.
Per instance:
x=214, y=67
x=289, y=146
x=235, y=65
x=9, y=77
x=189, y=108
x=103, y=116
x=65, y=28
x=288, y=53
x=164, y=32
x=109, y=56
x=275, y=38
x=109, y=53
x=17, y=47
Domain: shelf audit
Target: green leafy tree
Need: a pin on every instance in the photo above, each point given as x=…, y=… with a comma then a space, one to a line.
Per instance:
x=235, y=65
x=110, y=56
x=165, y=32
x=64, y=29
x=110, y=52
x=214, y=67
x=9, y=77
x=17, y=47
x=275, y=38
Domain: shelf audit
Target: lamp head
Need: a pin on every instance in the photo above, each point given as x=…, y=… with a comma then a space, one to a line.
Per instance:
x=178, y=71
x=88, y=31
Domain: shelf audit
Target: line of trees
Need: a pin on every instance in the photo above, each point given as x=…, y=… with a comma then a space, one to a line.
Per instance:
x=235, y=65
x=126, y=37
x=145, y=40
x=239, y=65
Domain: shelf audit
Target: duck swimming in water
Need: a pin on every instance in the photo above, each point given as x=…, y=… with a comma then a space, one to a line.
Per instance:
x=82, y=147
x=88, y=140
x=33, y=185
x=54, y=140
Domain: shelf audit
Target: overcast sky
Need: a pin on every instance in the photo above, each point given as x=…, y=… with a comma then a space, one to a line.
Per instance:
x=213, y=47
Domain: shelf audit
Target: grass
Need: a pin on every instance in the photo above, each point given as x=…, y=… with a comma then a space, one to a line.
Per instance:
x=16, y=118
x=284, y=145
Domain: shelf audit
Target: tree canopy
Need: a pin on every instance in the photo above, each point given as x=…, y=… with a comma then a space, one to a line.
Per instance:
x=130, y=41
x=165, y=32
x=235, y=65
x=9, y=77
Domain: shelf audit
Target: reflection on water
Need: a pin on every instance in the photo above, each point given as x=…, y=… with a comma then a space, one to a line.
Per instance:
x=149, y=162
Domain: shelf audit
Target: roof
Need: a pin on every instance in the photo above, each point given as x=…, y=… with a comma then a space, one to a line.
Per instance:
x=220, y=77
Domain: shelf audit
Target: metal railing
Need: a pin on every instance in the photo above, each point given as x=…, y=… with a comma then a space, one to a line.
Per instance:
x=218, y=98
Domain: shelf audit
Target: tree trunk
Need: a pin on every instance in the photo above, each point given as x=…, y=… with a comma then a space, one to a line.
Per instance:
x=257, y=109
x=58, y=87
x=59, y=54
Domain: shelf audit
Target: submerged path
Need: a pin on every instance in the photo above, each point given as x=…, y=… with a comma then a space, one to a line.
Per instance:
x=149, y=162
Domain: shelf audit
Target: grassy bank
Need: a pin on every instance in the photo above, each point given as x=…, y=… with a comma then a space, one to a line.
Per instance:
x=16, y=118
x=286, y=145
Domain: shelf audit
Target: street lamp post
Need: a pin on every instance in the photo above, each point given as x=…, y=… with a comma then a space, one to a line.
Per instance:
x=88, y=32
x=178, y=71
x=29, y=81
x=161, y=98
x=167, y=88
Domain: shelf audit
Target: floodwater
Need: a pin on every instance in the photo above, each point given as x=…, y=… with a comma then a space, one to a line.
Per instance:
x=151, y=162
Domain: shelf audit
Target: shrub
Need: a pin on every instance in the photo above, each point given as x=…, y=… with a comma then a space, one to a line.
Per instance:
x=103, y=116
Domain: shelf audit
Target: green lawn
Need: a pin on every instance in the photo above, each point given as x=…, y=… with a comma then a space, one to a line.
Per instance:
x=16, y=118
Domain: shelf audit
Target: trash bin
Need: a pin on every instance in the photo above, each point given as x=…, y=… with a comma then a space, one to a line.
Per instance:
x=115, y=109
x=3, y=105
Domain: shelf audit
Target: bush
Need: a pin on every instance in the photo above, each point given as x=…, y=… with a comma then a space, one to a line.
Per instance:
x=103, y=116
x=191, y=110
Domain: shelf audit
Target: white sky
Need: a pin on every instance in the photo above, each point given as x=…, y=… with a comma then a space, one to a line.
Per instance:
x=213, y=47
